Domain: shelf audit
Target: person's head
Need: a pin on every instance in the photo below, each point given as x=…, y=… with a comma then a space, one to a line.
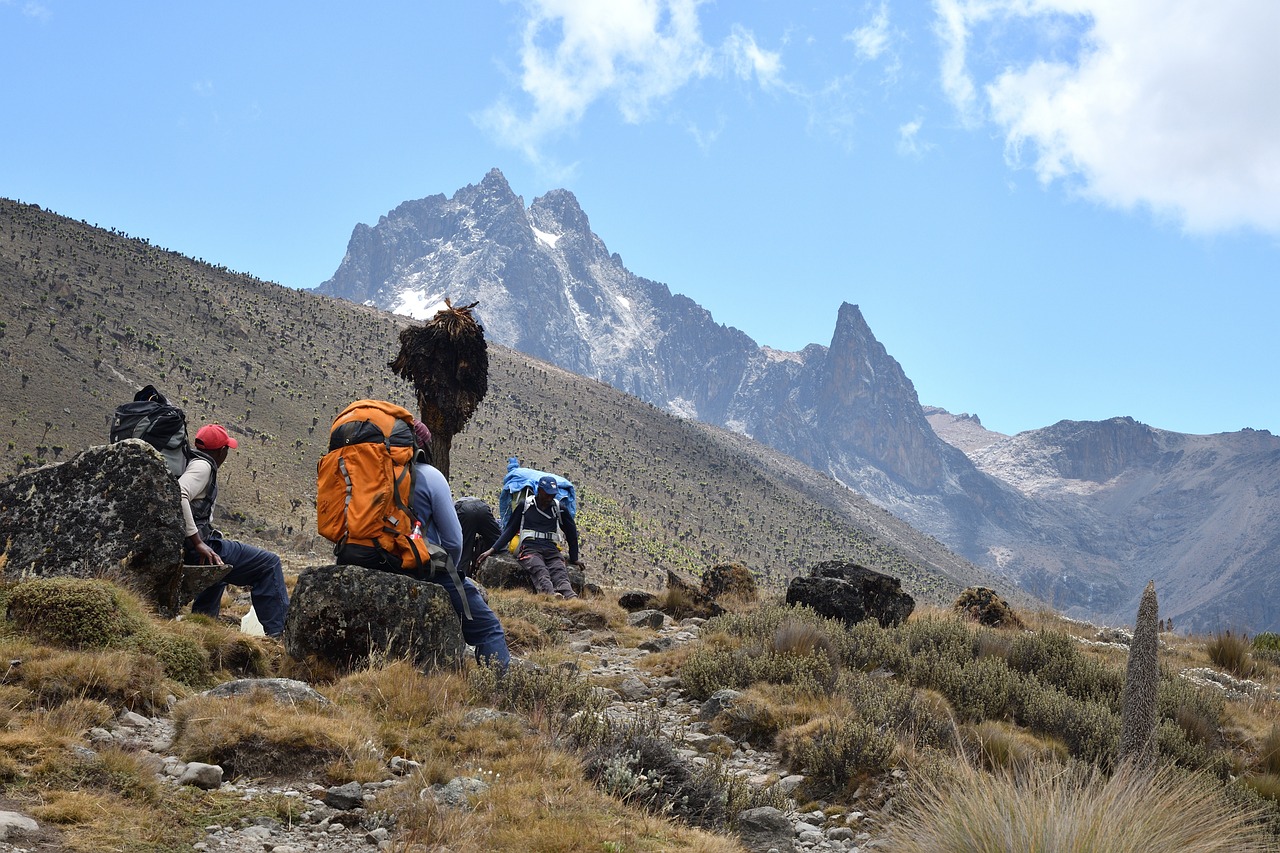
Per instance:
x=214, y=440
x=547, y=490
x=422, y=435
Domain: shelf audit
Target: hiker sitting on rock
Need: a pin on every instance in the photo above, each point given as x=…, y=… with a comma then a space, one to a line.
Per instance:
x=434, y=508
x=252, y=567
x=543, y=523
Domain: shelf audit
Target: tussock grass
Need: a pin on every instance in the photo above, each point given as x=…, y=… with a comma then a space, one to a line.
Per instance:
x=258, y=737
x=1054, y=809
x=1231, y=652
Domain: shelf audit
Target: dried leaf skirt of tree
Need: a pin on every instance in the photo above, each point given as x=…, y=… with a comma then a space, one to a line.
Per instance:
x=447, y=360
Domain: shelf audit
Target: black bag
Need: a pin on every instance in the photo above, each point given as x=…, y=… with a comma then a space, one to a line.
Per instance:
x=152, y=418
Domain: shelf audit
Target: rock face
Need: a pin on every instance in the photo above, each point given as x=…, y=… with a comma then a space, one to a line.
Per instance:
x=852, y=593
x=345, y=614
x=108, y=512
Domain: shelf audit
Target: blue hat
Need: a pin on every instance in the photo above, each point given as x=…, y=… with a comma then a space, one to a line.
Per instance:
x=548, y=485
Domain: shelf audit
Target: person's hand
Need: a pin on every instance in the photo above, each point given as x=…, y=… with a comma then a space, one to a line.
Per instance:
x=208, y=557
x=581, y=564
x=480, y=560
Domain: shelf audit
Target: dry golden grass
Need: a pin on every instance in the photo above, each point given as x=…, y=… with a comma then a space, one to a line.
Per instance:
x=1052, y=809
x=1004, y=746
x=539, y=802
x=258, y=737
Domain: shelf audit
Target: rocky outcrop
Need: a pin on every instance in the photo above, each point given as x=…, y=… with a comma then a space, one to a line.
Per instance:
x=986, y=607
x=108, y=512
x=346, y=615
x=503, y=571
x=852, y=593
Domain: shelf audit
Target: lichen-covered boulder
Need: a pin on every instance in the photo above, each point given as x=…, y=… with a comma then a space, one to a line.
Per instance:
x=986, y=607
x=732, y=579
x=108, y=512
x=685, y=598
x=849, y=592
x=346, y=615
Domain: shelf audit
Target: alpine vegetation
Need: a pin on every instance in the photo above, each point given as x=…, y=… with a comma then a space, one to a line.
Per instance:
x=1138, y=702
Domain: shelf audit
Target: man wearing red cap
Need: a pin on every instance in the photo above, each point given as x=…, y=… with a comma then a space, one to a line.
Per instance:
x=252, y=567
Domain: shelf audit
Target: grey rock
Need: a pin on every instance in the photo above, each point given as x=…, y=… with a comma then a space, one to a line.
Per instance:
x=13, y=825
x=633, y=689
x=107, y=511
x=457, y=793
x=716, y=703
x=345, y=614
x=653, y=619
x=345, y=797
x=200, y=775
x=658, y=644
x=765, y=828
x=287, y=691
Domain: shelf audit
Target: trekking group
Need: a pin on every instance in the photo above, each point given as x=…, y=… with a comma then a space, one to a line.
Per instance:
x=382, y=503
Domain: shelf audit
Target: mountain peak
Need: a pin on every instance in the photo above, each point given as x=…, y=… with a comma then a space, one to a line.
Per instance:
x=560, y=207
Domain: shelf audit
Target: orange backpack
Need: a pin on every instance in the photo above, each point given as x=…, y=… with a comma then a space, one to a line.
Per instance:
x=364, y=493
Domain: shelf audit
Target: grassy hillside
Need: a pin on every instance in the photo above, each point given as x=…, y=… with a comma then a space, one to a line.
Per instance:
x=87, y=316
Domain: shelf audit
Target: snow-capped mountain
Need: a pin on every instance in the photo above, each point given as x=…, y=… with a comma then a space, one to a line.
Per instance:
x=548, y=286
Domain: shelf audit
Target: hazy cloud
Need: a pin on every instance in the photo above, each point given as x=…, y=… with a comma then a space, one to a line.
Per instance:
x=909, y=142
x=634, y=53
x=39, y=11
x=872, y=40
x=1171, y=106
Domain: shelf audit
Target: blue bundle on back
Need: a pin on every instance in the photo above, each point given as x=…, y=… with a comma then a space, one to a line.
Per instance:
x=519, y=479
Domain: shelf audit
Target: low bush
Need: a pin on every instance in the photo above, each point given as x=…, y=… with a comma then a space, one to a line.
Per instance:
x=835, y=752
x=74, y=613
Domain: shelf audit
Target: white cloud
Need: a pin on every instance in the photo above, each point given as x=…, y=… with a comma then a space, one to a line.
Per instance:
x=872, y=40
x=909, y=142
x=635, y=53
x=39, y=11
x=1173, y=106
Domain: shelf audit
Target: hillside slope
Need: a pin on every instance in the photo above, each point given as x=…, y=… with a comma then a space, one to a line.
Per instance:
x=90, y=315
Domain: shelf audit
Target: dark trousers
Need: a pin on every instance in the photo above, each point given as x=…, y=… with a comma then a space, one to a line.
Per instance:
x=546, y=568
x=255, y=568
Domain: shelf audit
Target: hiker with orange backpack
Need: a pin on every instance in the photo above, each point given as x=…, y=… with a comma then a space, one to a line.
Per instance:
x=386, y=507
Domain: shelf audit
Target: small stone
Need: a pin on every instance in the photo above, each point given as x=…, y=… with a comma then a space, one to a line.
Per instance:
x=652, y=619
x=377, y=836
x=789, y=783
x=344, y=797
x=133, y=721
x=840, y=833
x=14, y=824
x=205, y=776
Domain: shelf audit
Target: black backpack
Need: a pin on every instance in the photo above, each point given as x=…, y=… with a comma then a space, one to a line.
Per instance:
x=152, y=418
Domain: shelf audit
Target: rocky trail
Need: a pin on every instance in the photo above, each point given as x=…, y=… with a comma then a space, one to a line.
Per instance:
x=342, y=818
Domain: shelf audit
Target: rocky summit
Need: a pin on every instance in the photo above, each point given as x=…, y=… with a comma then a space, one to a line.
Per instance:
x=1079, y=514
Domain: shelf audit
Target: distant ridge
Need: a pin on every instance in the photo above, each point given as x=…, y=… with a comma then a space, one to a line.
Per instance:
x=89, y=316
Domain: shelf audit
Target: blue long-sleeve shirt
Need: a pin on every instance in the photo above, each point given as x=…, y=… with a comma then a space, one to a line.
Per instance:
x=433, y=505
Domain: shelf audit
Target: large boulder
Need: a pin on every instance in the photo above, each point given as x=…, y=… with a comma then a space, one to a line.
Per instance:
x=685, y=598
x=108, y=512
x=849, y=592
x=346, y=615
x=503, y=571
x=986, y=607
x=732, y=579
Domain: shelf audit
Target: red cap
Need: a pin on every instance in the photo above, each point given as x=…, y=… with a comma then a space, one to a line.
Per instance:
x=214, y=437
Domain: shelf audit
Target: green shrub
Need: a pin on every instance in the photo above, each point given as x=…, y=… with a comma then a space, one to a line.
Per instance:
x=1090, y=730
x=180, y=656
x=836, y=752
x=1054, y=659
x=1267, y=641
x=74, y=613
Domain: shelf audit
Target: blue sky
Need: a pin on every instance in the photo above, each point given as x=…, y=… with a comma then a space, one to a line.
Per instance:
x=1046, y=209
